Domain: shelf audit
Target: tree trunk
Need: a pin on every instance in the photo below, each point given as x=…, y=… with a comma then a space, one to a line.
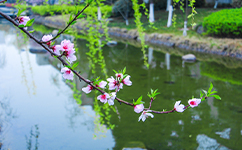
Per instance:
x=168, y=4
x=152, y=17
x=169, y=22
x=99, y=15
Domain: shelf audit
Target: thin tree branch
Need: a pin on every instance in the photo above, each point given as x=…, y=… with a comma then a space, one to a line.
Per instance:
x=151, y=100
x=74, y=19
x=60, y=58
x=75, y=72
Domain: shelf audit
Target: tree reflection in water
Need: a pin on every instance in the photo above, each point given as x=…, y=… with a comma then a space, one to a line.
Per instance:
x=6, y=115
x=34, y=134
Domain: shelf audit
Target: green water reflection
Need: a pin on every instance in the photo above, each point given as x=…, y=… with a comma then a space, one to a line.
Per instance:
x=175, y=80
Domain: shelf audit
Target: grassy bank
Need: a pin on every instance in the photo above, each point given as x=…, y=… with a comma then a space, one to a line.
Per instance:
x=161, y=22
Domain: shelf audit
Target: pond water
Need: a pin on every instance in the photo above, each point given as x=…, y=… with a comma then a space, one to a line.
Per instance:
x=38, y=110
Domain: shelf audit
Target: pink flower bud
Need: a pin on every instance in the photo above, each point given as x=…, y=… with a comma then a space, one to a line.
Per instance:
x=139, y=108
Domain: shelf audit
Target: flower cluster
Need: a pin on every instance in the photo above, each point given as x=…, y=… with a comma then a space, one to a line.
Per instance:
x=67, y=49
x=117, y=84
x=114, y=84
x=177, y=107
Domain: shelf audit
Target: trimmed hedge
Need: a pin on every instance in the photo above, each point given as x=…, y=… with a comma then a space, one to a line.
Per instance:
x=225, y=23
x=46, y=10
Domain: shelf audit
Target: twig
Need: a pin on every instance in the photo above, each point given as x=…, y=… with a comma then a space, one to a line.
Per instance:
x=60, y=58
x=75, y=72
x=74, y=19
x=151, y=100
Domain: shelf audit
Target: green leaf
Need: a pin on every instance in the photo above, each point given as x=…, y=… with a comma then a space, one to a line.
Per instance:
x=114, y=71
x=205, y=92
x=81, y=16
x=201, y=94
x=31, y=31
x=213, y=92
x=68, y=66
x=89, y=1
x=59, y=31
x=70, y=18
x=73, y=22
x=216, y=96
x=210, y=88
x=75, y=65
x=30, y=22
x=20, y=12
x=52, y=43
x=139, y=101
x=21, y=26
x=124, y=70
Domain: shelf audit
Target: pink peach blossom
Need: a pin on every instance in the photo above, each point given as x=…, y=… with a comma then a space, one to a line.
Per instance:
x=111, y=99
x=68, y=74
x=46, y=38
x=70, y=55
x=23, y=20
x=114, y=84
x=179, y=107
x=139, y=108
x=66, y=45
x=102, y=84
x=145, y=115
x=87, y=89
x=194, y=102
x=56, y=49
x=119, y=76
x=127, y=81
x=103, y=98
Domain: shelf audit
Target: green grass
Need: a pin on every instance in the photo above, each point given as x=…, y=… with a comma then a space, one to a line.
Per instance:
x=161, y=22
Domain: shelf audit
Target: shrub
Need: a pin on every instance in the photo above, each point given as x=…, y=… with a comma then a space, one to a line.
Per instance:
x=46, y=10
x=225, y=23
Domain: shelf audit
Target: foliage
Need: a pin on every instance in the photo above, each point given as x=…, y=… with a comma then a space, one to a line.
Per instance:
x=140, y=28
x=237, y=3
x=182, y=6
x=226, y=22
x=45, y=10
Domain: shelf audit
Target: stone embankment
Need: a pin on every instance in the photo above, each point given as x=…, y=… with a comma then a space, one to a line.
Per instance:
x=222, y=46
